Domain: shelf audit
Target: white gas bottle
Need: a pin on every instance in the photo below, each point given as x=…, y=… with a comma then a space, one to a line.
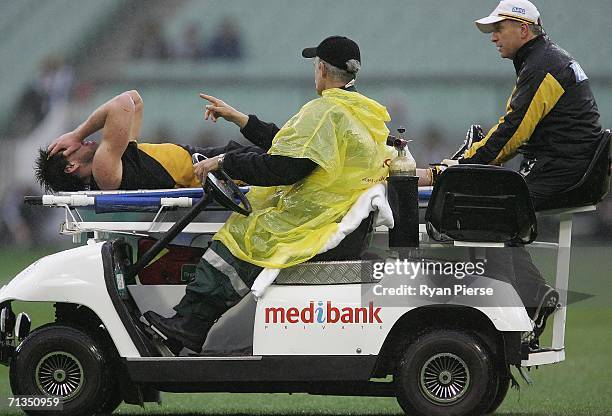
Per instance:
x=404, y=164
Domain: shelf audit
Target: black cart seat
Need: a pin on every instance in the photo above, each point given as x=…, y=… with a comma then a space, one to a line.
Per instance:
x=481, y=203
x=594, y=184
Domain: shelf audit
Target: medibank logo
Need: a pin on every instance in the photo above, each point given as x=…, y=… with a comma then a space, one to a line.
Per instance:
x=323, y=314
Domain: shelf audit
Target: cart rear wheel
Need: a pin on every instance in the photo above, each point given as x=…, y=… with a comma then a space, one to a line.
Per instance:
x=446, y=372
x=502, y=389
x=112, y=401
x=61, y=361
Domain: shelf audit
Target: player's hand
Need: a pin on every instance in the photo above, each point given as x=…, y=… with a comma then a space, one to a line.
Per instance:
x=202, y=168
x=220, y=109
x=450, y=162
x=67, y=143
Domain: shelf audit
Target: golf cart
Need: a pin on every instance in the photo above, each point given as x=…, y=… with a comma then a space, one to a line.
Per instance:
x=322, y=327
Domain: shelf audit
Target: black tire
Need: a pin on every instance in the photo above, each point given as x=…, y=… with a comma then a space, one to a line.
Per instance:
x=112, y=400
x=85, y=320
x=446, y=373
x=502, y=389
x=64, y=362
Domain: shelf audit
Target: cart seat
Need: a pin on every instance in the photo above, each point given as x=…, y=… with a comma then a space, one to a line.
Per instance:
x=353, y=245
x=480, y=203
x=592, y=187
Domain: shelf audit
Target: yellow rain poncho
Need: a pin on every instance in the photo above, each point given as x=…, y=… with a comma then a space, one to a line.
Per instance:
x=344, y=133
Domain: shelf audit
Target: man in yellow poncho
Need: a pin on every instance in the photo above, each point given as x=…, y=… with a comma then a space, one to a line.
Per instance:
x=309, y=173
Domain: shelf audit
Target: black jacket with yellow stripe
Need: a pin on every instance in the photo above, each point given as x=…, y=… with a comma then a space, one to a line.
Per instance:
x=551, y=113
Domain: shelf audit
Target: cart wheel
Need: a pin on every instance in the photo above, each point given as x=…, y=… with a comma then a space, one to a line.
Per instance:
x=60, y=361
x=446, y=372
x=502, y=389
x=111, y=402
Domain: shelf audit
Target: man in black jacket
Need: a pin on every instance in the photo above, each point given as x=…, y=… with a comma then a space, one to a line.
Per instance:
x=551, y=118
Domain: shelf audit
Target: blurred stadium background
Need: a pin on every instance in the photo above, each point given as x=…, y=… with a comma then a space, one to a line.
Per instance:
x=424, y=60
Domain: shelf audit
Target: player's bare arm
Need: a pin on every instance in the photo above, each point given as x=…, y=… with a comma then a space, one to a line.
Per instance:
x=116, y=120
x=138, y=112
x=70, y=142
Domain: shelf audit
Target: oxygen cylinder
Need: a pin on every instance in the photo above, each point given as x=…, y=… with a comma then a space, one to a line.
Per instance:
x=403, y=196
x=404, y=164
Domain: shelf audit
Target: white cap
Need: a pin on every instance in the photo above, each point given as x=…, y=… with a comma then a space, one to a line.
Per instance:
x=520, y=10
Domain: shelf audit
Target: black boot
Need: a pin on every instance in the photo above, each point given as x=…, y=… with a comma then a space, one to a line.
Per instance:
x=189, y=332
x=547, y=305
x=549, y=300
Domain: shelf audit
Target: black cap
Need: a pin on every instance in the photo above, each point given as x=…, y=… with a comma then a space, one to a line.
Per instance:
x=336, y=50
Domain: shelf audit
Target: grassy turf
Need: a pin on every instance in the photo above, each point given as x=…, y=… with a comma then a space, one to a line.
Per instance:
x=578, y=386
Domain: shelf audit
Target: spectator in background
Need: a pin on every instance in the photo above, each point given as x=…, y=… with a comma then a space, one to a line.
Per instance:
x=210, y=137
x=152, y=44
x=19, y=223
x=227, y=42
x=161, y=134
x=56, y=79
x=189, y=46
x=432, y=145
x=399, y=109
x=51, y=86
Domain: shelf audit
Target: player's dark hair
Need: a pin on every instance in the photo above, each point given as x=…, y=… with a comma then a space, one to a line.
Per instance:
x=50, y=174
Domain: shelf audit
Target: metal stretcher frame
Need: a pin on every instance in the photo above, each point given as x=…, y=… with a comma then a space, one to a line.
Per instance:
x=159, y=201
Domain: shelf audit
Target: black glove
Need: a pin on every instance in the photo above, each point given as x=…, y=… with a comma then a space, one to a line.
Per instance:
x=473, y=135
x=477, y=133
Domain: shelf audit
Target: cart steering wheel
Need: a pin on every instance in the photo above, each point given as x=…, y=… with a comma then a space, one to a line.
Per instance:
x=224, y=190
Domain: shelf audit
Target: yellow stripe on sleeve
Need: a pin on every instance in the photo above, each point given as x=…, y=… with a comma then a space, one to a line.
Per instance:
x=546, y=97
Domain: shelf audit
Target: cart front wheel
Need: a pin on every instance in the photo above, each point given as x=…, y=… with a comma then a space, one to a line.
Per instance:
x=60, y=361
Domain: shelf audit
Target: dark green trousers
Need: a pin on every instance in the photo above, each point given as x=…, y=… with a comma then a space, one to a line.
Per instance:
x=221, y=281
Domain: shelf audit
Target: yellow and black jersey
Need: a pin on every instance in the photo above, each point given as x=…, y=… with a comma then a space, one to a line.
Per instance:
x=551, y=112
x=155, y=166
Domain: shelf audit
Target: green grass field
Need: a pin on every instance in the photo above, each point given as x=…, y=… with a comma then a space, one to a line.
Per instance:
x=578, y=386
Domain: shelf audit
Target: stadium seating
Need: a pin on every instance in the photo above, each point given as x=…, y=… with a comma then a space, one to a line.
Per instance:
x=425, y=60
x=396, y=36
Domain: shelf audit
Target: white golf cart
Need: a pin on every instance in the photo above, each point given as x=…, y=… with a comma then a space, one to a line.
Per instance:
x=322, y=327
